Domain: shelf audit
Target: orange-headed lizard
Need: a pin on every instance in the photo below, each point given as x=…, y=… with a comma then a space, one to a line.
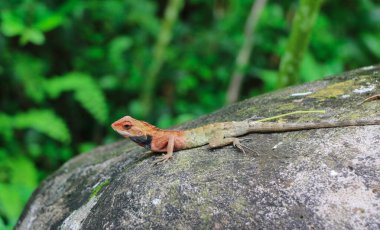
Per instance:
x=215, y=135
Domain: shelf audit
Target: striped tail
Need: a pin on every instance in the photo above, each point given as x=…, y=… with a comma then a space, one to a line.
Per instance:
x=272, y=127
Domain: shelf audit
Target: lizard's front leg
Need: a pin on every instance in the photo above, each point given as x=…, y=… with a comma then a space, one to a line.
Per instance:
x=169, y=151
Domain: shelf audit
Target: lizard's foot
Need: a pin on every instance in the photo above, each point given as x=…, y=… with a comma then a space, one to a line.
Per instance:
x=162, y=159
x=236, y=143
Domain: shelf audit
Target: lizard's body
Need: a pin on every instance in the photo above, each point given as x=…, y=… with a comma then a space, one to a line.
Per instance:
x=216, y=134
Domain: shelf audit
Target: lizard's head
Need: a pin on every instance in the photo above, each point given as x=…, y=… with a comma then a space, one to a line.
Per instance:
x=138, y=131
x=130, y=127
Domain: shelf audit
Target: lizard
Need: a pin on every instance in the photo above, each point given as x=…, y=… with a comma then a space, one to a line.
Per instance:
x=215, y=135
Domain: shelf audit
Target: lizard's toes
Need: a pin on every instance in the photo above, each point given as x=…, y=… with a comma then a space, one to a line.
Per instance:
x=162, y=159
x=236, y=143
x=242, y=147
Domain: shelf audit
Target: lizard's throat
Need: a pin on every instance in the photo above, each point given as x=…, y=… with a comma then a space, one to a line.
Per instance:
x=123, y=133
x=144, y=141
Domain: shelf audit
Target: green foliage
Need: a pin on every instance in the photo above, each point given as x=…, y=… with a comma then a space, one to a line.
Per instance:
x=29, y=21
x=29, y=72
x=70, y=68
x=18, y=178
x=44, y=121
x=86, y=92
x=372, y=43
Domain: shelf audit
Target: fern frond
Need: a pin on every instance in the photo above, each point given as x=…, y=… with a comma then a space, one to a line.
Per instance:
x=29, y=71
x=86, y=92
x=44, y=121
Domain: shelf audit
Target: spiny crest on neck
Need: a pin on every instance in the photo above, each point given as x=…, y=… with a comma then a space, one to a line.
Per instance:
x=149, y=126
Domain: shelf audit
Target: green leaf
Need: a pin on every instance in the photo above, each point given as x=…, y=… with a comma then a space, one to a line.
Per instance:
x=27, y=177
x=86, y=92
x=33, y=36
x=311, y=70
x=29, y=71
x=16, y=190
x=269, y=77
x=44, y=121
x=117, y=48
x=50, y=22
x=92, y=99
x=10, y=202
x=11, y=25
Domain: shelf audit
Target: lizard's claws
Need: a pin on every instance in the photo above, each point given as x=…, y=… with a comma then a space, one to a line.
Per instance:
x=162, y=159
x=236, y=143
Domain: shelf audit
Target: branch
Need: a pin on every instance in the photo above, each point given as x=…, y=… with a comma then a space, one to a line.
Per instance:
x=245, y=51
x=302, y=26
x=164, y=37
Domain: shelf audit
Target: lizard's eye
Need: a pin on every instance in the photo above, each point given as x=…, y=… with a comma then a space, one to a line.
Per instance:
x=126, y=127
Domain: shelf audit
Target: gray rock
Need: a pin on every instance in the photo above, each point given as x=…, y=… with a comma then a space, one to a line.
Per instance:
x=325, y=178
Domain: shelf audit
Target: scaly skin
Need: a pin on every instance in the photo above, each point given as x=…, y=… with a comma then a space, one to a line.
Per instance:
x=216, y=134
x=150, y=137
x=147, y=135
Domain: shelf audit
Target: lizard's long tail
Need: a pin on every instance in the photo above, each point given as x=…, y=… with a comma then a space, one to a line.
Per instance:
x=268, y=127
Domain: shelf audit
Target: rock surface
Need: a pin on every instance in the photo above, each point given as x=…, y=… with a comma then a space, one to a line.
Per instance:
x=326, y=178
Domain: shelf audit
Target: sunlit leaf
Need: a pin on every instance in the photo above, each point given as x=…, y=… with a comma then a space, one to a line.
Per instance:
x=11, y=25
x=50, y=22
x=33, y=36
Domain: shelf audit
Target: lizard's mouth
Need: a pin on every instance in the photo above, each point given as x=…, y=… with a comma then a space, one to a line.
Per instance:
x=123, y=133
x=115, y=127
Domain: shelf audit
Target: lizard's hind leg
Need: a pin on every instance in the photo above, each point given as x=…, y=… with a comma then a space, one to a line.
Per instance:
x=220, y=141
x=241, y=147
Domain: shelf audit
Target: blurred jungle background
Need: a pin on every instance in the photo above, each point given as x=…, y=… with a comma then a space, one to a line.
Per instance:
x=70, y=68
